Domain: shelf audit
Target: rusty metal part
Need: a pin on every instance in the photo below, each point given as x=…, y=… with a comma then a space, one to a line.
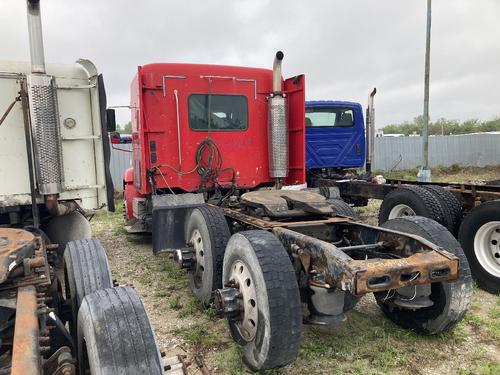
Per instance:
x=175, y=365
x=256, y=222
x=370, y=275
x=227, y=302
x=27, y=265
x=57, y=208
x=364, y=189
x=15, y=245
x=60, y=363
x=287, y=203
x=37, y=265
x=25, y=351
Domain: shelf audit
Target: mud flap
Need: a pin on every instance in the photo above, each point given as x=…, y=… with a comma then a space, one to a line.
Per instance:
x=170, y=213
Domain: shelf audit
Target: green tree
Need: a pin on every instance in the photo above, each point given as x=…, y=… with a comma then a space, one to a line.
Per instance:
x=126, y=128
x=443, y=126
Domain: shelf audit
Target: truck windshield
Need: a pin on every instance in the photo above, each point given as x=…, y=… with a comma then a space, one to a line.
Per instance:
x=227, y=112
x=329, y=117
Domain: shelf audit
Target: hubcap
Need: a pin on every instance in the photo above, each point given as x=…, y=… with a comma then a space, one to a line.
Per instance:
x=247, y=323
x=487, y=247
x=401, y=210
x=197, y=243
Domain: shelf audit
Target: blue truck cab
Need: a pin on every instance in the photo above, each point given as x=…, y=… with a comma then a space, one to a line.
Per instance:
x=335, y=137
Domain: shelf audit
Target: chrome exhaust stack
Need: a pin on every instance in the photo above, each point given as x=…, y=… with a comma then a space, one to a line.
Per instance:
x=370, y=131
x=35, y=36
x=44, y=117
x=278, y=126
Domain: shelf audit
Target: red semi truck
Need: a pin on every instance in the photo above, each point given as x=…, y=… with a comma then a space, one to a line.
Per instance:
x=217, y=176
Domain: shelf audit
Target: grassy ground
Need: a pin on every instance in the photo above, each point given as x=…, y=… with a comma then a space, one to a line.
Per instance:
x=366, y=344
x=454, y=173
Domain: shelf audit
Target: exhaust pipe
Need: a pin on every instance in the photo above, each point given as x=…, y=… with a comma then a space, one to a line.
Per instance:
x=45, y=120
x=278, y=126
x=35, y=37
x=370, y=131
x=277, y=72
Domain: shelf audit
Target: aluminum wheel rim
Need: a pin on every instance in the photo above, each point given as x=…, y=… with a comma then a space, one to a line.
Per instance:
x=401, y=210
x=487, y=247
x=197, y=242
x=247, y=324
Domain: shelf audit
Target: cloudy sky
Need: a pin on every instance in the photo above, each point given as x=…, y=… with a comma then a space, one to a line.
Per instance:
x=345, y=47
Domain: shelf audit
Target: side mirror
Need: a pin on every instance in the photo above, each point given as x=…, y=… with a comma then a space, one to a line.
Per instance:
x=114, y=137
x=110, y=120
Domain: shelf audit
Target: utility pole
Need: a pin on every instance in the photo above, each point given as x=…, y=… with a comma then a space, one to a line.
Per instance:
x=424, y=174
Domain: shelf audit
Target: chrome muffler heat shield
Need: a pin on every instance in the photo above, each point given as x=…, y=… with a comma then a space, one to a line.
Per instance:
x=278, y=137
x=46, y=134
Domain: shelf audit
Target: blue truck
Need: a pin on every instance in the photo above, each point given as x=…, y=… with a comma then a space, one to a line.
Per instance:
x=338, y=142
x=335, y=137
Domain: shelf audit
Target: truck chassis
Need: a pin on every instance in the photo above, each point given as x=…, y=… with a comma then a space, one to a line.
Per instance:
x=260, y=270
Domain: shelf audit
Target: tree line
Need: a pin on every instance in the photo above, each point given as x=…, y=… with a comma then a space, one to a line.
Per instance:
x=440, y=127
x=443, y=127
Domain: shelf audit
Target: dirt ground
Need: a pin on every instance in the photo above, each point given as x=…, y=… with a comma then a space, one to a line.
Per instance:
x=366, y=344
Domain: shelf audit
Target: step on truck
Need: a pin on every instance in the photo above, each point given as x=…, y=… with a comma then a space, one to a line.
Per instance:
x=338, y=142
x=218, y=164
x=60, y=312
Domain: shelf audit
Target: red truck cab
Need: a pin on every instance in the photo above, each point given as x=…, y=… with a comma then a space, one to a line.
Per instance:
x=170, y=105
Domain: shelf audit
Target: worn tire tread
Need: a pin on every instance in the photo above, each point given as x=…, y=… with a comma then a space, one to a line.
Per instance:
x=285, y=307
x=342, y=208
x=451, y=206
x=433, y=206
x=125, y=341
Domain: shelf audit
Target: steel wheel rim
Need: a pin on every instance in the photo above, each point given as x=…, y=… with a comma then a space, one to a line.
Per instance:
x=247, y=323
x=199, y=250
x=401, y=210
x=487, y=247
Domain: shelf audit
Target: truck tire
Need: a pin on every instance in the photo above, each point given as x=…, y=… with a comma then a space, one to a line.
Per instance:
x=342, y=208
x=273, y=306
x=451, y=205
x=86, y=269
x=115, y=335
x=411, y=201
x=208, y=231
x=451, y=299
x=479, y=235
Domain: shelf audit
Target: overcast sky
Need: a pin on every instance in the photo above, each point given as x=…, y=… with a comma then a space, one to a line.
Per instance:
x=344, y=47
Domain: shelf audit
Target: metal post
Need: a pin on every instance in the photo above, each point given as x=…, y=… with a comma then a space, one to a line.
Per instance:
x=424, y=174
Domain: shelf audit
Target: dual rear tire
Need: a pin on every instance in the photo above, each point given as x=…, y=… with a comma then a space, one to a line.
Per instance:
x=109, y=325
x=478, y=232
x=429, y=201
x=269, y=324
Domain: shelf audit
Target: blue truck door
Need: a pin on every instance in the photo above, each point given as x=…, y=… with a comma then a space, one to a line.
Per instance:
x=335, y=135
